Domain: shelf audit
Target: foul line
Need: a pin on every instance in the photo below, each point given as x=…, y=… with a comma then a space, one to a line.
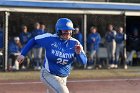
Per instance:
x=102, y=80
x=74, y=81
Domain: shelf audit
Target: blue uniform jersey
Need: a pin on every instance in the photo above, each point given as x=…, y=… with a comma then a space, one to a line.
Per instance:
x=93, y=41
x=59, y=53
x=79, y=37
x=119, y=38
x=25, y=37
x=13, y=47
x=44, y=31
x=1, y=39
x=109, y=36
x=35, y=33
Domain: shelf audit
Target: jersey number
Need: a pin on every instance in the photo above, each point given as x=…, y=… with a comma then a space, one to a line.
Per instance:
x=62, y=61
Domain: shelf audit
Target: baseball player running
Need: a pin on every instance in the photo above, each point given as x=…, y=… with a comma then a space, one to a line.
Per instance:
x=61, y=49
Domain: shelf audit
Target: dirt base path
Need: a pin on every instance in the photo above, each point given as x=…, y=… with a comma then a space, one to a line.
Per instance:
x=75, y=86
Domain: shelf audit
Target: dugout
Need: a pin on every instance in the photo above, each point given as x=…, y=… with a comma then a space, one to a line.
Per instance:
x=30, y=18
x=132, y=25
x=85, y=14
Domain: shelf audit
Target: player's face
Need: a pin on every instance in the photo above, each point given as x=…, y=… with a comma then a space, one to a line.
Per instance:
x=66, y=34
x=42, y=27
x=17, y=41
x=76, y=30
x=37, y=26
x=121, y=30
x=110, y=27
x=94, y=30
x=24, y=28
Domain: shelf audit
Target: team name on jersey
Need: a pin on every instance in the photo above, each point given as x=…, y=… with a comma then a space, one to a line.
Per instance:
x=61, y=54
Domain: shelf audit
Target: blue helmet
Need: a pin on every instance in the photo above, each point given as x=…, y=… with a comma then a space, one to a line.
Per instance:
x=64, y=24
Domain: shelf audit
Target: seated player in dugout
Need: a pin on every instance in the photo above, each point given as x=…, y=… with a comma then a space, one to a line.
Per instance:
x=133, y=43
x=14, y=47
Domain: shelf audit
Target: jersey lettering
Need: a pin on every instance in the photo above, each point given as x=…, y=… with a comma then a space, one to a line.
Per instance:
x=62, y=61
x=61, y=54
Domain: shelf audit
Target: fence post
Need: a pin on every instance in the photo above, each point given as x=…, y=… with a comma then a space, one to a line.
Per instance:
x=85, y=34
x=5, y=26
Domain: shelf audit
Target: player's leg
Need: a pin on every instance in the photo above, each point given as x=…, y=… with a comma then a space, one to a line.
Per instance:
x=109, y=53
x=130, y=56
x=39, y=58
x=117, y=56
x=43, y=76
x=34, y=58
x=123, y=52
x=55, y=83
x=113, y=52
x=28, y=59
x=15, y=62
x=91, y=61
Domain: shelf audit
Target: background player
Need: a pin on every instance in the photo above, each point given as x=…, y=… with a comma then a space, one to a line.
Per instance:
x=61, y=49
x=25, y=36
x=111, y=45
x=93, y=42
x=37, y=50
x=120, y=39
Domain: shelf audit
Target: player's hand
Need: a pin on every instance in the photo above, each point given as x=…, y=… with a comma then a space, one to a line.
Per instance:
x=78, y=48
x=20, y=59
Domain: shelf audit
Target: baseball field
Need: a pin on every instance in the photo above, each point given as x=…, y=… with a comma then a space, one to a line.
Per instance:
x=80, y=81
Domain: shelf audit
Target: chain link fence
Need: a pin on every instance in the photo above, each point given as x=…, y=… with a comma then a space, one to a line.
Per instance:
x=16, y=20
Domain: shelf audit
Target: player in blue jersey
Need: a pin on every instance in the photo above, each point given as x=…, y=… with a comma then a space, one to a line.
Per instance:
x=1, y=39
x=120, y=39
x=61, y=49
x=78, y=35
x=1, y=45
x=37, y=50
x=111, y=45
x=14, y=48
x=25, y=36
x=93, y=42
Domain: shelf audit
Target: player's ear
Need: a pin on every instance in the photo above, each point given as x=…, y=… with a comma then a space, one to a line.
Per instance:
x=59, y=32
x=72, y=33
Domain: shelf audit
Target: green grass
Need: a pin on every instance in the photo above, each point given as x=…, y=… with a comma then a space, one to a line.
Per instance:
x=132, y=72
x=29, y=75
x=119, y=73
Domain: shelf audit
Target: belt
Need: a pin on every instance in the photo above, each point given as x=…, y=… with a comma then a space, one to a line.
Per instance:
x=53, y=73
x=58, y=75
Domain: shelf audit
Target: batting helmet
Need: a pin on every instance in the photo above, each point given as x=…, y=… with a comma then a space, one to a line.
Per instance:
x=64, y=24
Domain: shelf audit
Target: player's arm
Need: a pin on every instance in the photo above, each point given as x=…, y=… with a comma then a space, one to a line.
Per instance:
x=38, y=40
x=98, y=39
x=80, y=55
x=26, y=49
x=114, y=35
